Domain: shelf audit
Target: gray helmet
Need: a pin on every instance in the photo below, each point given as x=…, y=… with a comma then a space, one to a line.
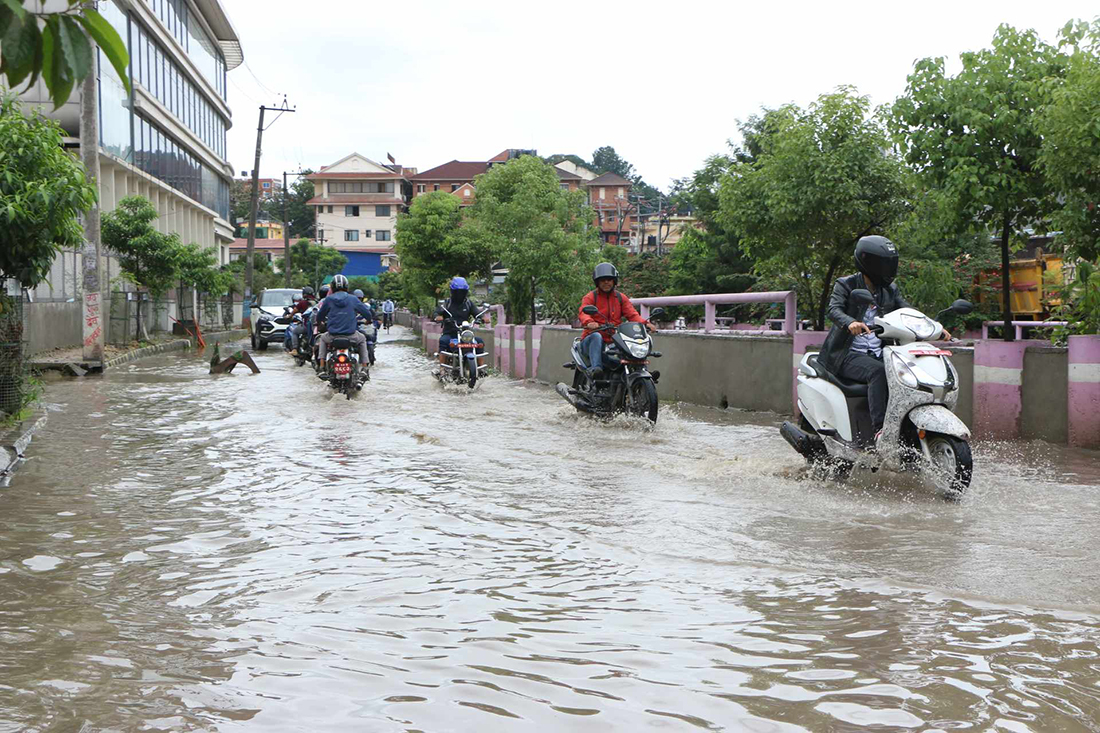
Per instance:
x=325, y=290
x=358, y=293
x=605, y=269
x=877, y=258
x=340, y=283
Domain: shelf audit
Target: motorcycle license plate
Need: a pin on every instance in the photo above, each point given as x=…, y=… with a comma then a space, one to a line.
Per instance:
x=342, y=369
x=931, y=352
x=466, y=346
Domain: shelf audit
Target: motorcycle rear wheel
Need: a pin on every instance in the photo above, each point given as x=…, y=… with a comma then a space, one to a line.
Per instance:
x=952, y=463
x=643, y=399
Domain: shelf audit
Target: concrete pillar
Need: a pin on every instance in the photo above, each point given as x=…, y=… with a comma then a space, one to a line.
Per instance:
x=510, y=352
x=1084, y=391
x=998, y=382
x=519, y=352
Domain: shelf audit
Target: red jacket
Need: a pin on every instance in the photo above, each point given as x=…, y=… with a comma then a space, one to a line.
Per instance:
x=614, y=308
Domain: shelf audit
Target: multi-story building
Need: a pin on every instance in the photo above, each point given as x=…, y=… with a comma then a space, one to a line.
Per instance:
x=457, y=177
x=166, y=139
x=357, y=202
x=609, y=196
x=269, y=187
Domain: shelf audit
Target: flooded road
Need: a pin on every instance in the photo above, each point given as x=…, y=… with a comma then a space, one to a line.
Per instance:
x=187, y=552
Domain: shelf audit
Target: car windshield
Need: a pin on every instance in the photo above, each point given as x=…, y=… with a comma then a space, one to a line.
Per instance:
x=279, y=298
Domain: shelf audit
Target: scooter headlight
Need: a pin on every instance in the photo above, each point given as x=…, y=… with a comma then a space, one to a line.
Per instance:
x=921, y=326
x=903, y=372
x=638, y=350
x=467, y=337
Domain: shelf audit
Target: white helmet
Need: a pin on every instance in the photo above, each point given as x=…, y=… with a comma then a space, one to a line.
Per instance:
x=340, y=283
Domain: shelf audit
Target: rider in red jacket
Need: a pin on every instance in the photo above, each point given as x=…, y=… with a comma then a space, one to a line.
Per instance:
x=613, y=307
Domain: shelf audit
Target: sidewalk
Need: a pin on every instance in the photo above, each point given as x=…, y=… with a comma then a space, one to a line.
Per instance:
x=14, y=442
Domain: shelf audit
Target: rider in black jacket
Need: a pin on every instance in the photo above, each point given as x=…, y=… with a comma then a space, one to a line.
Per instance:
x=851, y=350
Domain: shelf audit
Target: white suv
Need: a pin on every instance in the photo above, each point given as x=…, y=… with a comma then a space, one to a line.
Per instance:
x=270, y=323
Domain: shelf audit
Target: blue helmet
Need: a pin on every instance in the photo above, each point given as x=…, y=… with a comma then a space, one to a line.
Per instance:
x=459, y=283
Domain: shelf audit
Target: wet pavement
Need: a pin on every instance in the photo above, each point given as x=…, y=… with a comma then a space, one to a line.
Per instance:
x=188, y=552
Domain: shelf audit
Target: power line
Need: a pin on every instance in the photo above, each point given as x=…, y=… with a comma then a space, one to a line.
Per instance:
x=264, y=86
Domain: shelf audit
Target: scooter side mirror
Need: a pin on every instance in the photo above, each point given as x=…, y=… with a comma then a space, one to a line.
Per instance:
x=590, y=310
x=860, y=296
x=962, y=307
x=656, y=313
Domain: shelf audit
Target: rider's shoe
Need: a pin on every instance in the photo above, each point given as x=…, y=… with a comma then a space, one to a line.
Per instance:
x=597, y=374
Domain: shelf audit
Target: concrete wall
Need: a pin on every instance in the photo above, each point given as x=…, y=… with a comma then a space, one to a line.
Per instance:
x=51, y=325
x=1045, y=394
x=963, y=360
x=751, y=373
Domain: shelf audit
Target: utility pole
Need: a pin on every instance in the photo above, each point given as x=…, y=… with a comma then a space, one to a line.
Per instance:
x=660, y=250
x=92, y=322
x=286, y=229
x=250, y=251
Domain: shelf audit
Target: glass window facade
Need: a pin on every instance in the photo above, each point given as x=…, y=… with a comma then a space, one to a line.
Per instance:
x=115, y=107
x=198, y=44
x=360, y=187
x=160, y=156
x=154, y=70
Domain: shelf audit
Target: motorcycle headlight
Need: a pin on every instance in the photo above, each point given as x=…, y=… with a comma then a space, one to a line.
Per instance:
x=903, y=372
x=467, y=337
x=921, y=326
x=638, y=351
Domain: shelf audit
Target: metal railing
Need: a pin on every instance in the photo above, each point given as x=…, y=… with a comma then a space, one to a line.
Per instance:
x=1020, y=326
x=711, y=301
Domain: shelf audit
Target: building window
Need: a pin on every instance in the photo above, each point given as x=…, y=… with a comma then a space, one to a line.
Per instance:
x=330, y=209
x=420, y=187
x=620, y=191
x=435, y=187
x=267, y=185
x=382, y=210
x=466, y=193
x=351, y=235
x=366, y=234
x=454, y=187
x=320, y=234
x=351, y=211
x=564, y=186
x=603, y=192
x=382, y=235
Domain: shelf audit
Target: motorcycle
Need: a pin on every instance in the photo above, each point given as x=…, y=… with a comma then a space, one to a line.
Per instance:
x=464, y=368
x=628, y=385
x=345, y=374
x=301, y=352
x=921, y=431
x=369, y=329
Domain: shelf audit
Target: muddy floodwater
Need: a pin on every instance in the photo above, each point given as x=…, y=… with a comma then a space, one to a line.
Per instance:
x=186, y=552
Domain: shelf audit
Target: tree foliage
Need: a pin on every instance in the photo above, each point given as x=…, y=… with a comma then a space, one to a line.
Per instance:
x=543, y=235
x=823, y=178
x=1070, y=155
x=299, y=216
x=43, y=189
x=311, y=263
x=197, y=267
x=60, y=50
x=434, y=245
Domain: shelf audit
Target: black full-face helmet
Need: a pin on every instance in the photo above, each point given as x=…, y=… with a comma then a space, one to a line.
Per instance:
x=324, y=291
x=605, y=269
x=877, y=259
x=306, y=291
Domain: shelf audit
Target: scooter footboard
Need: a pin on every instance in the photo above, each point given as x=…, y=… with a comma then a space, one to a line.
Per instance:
x=938, y=419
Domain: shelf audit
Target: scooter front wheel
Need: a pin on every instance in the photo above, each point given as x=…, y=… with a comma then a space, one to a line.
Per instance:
x=952, y=463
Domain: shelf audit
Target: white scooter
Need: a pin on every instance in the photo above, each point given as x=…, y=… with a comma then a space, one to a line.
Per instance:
x=921, y=431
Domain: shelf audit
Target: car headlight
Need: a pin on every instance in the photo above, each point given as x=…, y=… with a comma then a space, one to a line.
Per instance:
x=265, y=317
x=903, y=372
x=467, y=337
x=921, y=326
x=638, y=351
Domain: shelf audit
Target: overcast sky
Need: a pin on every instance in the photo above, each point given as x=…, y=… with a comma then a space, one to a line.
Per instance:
x=663, y=83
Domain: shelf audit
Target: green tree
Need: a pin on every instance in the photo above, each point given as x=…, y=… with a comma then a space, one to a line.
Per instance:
x=311, y=263
x=435, y=244
x=43, y=189
x=364, y=283
x=57, y=46
x=263, y=275
x=239, y=203
x=976, y=136
x=645, y=275
x=1070, y=154
x=198, y=268
x=544, y=235
x=823, y=178
x=147, y=258
x=299, y=216
x=391, y=287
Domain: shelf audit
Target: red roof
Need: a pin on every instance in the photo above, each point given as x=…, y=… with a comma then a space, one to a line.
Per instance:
x=609, y=179
x=456, y=170
x=356, y=198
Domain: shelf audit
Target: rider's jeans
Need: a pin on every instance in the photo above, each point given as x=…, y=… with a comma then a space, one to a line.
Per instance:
x=293, y=334
x=592, y=348
x=357, y=339
x=868, y=369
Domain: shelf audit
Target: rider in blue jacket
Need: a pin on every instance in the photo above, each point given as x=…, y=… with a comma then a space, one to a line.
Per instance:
x=338, y=311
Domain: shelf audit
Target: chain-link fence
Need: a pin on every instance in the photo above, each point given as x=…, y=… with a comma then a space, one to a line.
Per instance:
x=15, y=386
x=125, y=308
x=227, y=312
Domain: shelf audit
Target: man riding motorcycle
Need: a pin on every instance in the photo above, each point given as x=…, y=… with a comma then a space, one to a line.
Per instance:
x=295, y=330
x=338, y=312
x=851, y=350
x=371, y=334
x=460, y=308
x=614, y=308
